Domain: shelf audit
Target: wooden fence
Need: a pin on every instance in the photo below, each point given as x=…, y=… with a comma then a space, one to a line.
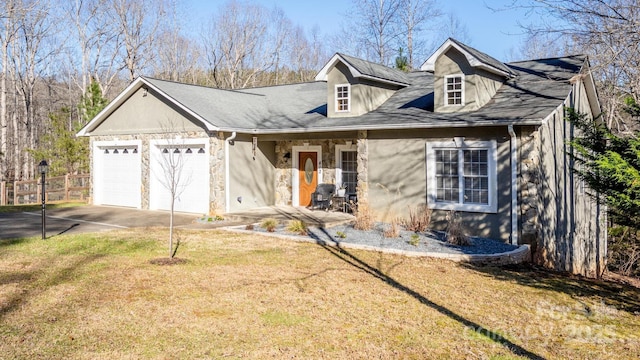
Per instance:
x=57, y=188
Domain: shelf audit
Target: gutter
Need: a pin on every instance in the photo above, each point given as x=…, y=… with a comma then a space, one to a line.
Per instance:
x=227, y=195
x=514, y=185
x=410, y=126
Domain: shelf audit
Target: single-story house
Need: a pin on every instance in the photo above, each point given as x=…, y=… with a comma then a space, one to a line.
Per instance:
x=465, y=132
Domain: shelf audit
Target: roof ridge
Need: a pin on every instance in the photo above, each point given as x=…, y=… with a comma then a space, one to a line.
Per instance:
x=237, y=91
x=547, y=58
x=277, y=85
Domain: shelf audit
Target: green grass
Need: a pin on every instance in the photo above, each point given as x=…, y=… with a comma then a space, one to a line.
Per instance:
x=250, y=296
x=38, y=207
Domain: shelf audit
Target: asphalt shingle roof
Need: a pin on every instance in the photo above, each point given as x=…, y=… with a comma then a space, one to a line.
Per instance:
x=486, y=59
x=376, y=70
x=536, y=90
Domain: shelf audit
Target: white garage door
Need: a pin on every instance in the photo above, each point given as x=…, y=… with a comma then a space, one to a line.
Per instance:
x=190, y=165
x=117, y=175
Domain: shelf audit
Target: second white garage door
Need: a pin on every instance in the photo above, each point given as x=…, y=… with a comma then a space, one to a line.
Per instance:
x=189, y=162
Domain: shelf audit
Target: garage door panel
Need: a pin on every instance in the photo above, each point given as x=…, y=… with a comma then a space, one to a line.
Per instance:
x=118, y=176
x=190, y=165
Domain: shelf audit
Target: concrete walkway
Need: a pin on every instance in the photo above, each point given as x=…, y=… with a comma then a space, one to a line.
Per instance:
x=83, y=219
x=319, y=218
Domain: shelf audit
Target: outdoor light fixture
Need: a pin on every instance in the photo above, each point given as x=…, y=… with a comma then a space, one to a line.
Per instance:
x=254, y=146
x=43, y=168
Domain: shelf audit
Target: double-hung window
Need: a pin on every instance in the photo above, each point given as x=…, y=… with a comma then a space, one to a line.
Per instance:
x=343, y=98
x=454, y=90
x=462, y=178
x=347, y=167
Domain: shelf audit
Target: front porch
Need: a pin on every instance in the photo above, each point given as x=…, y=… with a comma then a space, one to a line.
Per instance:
x=318, y=218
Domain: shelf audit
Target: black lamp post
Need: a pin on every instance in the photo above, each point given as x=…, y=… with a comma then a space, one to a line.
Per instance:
x=43, y=167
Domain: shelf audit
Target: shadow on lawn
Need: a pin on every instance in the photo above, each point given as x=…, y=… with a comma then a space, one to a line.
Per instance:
x=621, y=296
x=39, y=279
x=352, y=260
x=28, y=280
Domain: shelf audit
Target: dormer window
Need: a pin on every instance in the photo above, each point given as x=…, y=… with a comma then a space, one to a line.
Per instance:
x=454, y=90
x=343, y=98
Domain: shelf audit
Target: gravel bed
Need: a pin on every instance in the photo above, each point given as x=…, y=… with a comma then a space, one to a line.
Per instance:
x=429, y=241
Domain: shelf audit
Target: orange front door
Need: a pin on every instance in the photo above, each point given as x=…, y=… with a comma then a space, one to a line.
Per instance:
x=308, y=176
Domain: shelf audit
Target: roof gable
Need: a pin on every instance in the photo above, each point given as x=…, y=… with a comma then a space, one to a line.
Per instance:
x=366, y=70
x=475, y=58
x=137, y=84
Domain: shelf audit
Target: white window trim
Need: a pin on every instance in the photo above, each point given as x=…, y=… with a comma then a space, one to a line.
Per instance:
x=492, y=206
x=339, y=150
x=348, y=98
x=446, y=93
x=295, y=176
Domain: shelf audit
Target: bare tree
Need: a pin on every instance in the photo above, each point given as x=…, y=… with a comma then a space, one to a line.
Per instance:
x=243, y=42
x=175, y=56
x=451, y=26
x=377, y=24
x=305, y=55
x=609, y=31
x=137, y=23
x=173, y=176
x=8, y=32
x=414, y=16
x=93, y=45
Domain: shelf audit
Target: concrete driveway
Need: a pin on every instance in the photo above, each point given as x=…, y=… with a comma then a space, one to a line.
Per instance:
x=84, y=219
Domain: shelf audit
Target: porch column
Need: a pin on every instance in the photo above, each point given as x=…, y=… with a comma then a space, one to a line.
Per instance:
x=217, y=176
x=363, y=166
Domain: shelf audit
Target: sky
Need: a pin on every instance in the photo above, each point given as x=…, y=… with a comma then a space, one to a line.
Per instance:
x=495, y=33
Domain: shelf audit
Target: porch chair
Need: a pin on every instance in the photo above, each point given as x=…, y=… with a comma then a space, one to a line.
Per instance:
x=321, y=198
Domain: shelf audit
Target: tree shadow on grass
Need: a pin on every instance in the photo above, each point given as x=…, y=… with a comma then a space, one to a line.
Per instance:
x=39, y=279
x=352, y=260
x=621, y=296
x=61, y=276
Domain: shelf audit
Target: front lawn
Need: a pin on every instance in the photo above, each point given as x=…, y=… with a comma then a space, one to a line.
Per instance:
x=97, y=296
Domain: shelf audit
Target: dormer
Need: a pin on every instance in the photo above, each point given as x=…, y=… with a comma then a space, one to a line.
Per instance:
x=465, y=79
x=356, y=87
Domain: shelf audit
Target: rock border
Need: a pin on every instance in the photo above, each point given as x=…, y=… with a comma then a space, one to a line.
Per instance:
x=517, y=256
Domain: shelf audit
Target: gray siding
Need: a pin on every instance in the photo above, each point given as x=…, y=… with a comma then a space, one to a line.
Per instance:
x=145, y=114
x=365, y=95
x=479, y=85
x=398, y=177
x=572, y=224
x=251, y=177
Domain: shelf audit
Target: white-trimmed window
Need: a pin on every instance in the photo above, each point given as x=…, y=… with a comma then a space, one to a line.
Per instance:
x=454, y=90
x=343, y=98
x=462, y=177
x=347, y=167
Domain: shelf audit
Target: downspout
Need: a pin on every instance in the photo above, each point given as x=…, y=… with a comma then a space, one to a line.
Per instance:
x=514, y=185
x=227, y=195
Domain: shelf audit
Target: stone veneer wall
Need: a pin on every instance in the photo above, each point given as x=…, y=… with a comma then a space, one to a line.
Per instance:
x=217, y=175
x=216, y=161
x=284, y=181
x=362, y=146
x=530, y=182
